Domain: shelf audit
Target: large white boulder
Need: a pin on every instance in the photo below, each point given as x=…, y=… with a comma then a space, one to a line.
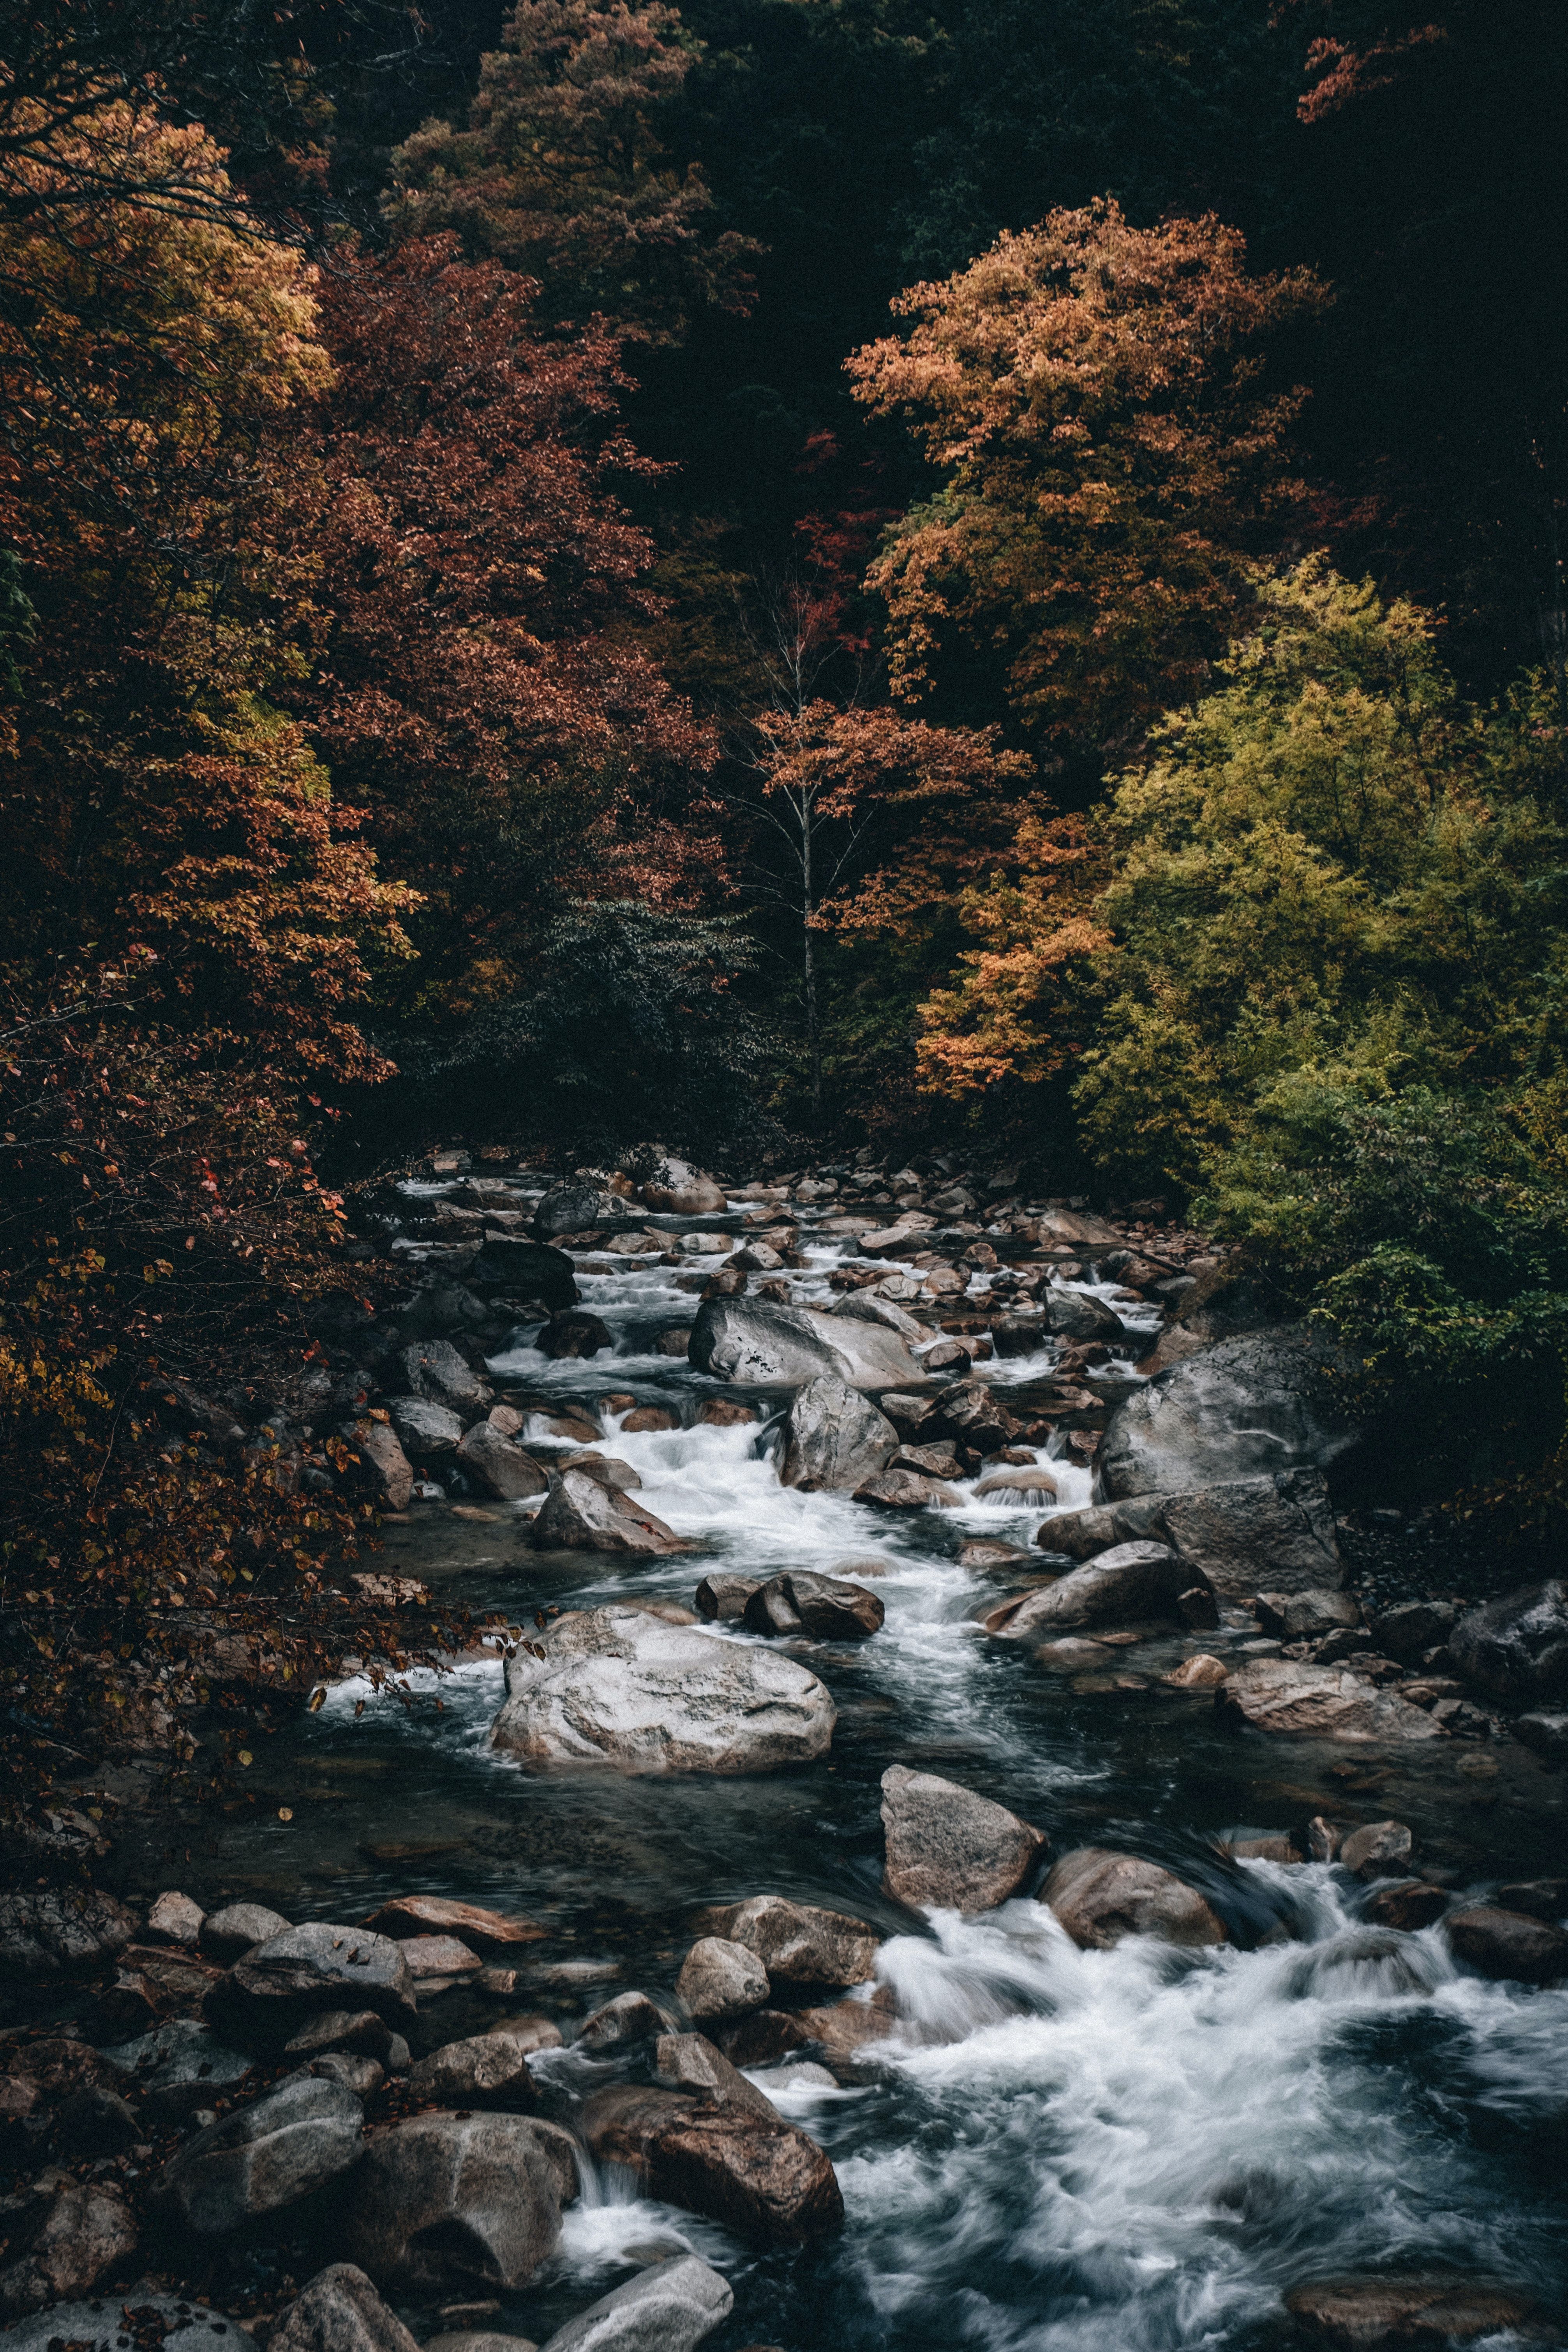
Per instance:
x=617, y=1686
x=749, y=1339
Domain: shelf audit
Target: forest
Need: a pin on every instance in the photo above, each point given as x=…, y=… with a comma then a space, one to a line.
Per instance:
x=773, y=577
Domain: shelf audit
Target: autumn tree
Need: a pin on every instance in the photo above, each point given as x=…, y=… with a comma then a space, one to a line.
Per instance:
x=566, y=170
x=1097, y=399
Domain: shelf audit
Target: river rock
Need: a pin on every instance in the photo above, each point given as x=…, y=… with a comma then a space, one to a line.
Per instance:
x=1246, y=1533
x=340, y=2311
x=272, y=1990
x=487, y=2070
x=1131, y=1580
x=573, y=1208
x=68, y=2237
x=1542, y=1898
x=798, y=1943
x=227, y=1932
x=574, y=1333
x=435, y=1369
x=669, y=2307
x=61, y=1931
x=682, y=1191
x=630, y=2017
x=529, y=1270
x=357, y=2031
x=1381, y=1849
x=1413, y=1627
x=866, y=1306
x=1508, y=1944
x=262, y=2157
x=763, y=2178
x=498, y=1466
x=1408, y=1907
x=1202, y=1673
x=1304, y=1616
x=1311, y=1701
x=1546, y=1733
x=438, y=1915
x=174, y=1919
x=948, y=1849
x=381, y=1467
x=827, y=1608
x=721, y=1598
x=719, y=1979
x=834, y=1437
x=1247, y=1407
x=1361, y=2315
x=1074, y=1315
x=180, y=2067
x=1100, y=1898
x=425, y=1432
x=583, y=1516
x=688, y=2062
x=1516, y=1648
x=1020, y=1482
x=466, y=2200
x=96, y=2325
x=752, y=1340
x=617, y=1686
x=1081, y=1534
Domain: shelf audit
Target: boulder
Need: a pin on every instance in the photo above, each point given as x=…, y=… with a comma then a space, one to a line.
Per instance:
x=907, y=1490
x=1247, y=1533
x=669, y=2307
x=827, y=1608
x=1202, y=1673
x=948, y=1849
x=1019, y=1482
x=719, y=1979
x=425, y=1432
x=865, y=1306
x=357, y=2033
x=271, y=1992
x=798, y=1943
x=968, y=1411
x=1360, y=2314
x=573, y=1209
x=263, y=2157
x=498, y=1466
x=1381, y=1849
x=381, y=1468
x=180, y=2067
x=1100, y=1898
x=1131, y=1580
x=682, y=1191
x=834, y=1437
x=90, y=2324
x=630, y=2017
x=1542, y=1898
x=1081, y=1534
x=722, y=1598
x=1074, y=1315
x=68, y=2237
x=1413, y=1627
x=437, y=1962
x=61, y=1931
x=762, y=2177
x=438, y=1915
x=582, y=1515
x=574, y=1333
x=435, y=1369
x=487, y=2070
x=1311, y=1702
x=616, y=1476
x=340, y=2311
x=1407, y=1907
x=617, y=1686
x=1247, y=1407
x=174, y=1919
x=688, y=2062
x=1304, y=1616
x=752, y=1340
x=464, y=2200
x=529, y=1270
x=1516, y=1648
x=227, y=1932
x=1546, y=1733
x=1508, y=1944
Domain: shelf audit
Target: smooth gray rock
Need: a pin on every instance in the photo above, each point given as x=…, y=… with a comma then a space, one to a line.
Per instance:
x=446, y=2199
x=358, y=2031
x=948, y=1849
x=750, y=1340
x=1131, y=1580
x=571, y=1208
x=719, y=1979
x=1073, y=1315
x=1379, y=1850
x=1247, y=1407
x=1313, y=1702
x=583, y=1515
x=1246, y=1535
x=486, y=2070
x=426, y=1431
x=54, y=1931
x=1301, y=1616
x=688, y=2062
x=271, y=1992
x=617, y=1686
x=669, y=2307
x=1098, y=1525
x=433, y=1368
x=865, y=1306
x=798, y=1943
x=721, y=1598
x=96, y=2326
x=339, y=2311
x=834, y=1437
x=264, y=2156
x=226, y=1934
x=827, y=1608
x=1516, y=1648
x=498, y=1466
x=179, y=2067
x=757, y=2175
x=1101, y=1896
x=630, y=2017
x=1413, y=1627
x=67, y=2237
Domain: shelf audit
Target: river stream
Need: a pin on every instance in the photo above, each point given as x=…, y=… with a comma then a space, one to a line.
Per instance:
x=1054, y=2151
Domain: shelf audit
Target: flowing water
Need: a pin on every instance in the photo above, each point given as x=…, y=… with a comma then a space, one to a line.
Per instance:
x=1054, y=2151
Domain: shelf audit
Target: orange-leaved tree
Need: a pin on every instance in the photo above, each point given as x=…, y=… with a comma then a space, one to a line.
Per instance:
x=1113, y=446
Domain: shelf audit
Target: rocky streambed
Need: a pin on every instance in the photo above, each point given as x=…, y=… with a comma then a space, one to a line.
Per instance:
x=933, y=1853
